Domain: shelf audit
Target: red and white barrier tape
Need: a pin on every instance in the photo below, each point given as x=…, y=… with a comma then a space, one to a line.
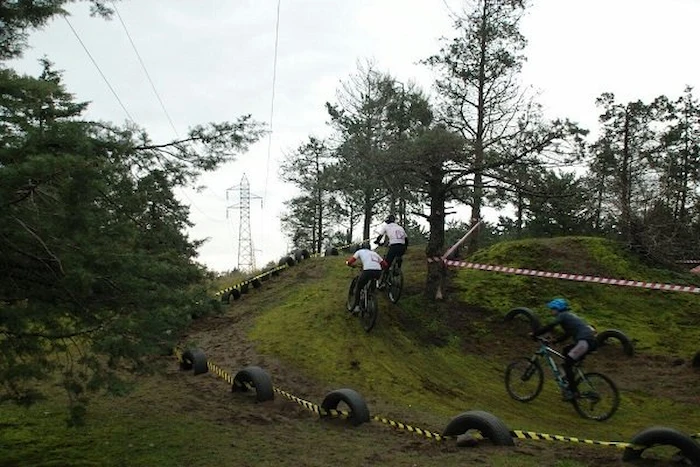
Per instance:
x=571, y=277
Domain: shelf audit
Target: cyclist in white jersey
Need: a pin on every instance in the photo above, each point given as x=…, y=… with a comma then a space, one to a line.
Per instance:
x=398, y=241
x=372, y=265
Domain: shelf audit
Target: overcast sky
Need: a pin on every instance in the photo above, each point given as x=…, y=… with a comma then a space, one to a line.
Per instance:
x=212, y=60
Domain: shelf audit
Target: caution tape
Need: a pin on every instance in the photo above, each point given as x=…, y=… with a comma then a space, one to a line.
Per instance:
x=315, y=408
x=531, y=435
x=571, y=277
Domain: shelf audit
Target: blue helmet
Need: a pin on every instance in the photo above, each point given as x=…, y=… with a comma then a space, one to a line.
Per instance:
x=558, y=304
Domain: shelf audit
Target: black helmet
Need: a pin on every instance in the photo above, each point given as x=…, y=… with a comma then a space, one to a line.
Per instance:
x=390, y=219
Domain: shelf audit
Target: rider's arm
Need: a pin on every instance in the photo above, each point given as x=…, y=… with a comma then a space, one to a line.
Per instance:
x=544, y=329
x=350, y=261
x=379, y=239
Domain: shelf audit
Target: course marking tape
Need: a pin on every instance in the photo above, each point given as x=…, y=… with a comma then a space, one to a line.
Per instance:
x=219, y=372
x=520, y=434
x=572, y=277
x=412, y=429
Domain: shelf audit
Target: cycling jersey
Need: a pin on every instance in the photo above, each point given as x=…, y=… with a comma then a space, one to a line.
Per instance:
x=394, y=232
x=371, y=261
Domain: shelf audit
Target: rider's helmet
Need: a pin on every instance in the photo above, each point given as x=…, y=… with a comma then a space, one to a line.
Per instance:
x=390, y=219
x=558, y=304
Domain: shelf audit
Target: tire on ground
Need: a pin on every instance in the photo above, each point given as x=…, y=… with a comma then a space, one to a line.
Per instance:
x=696, y=360
x=235, y=294
x=226, y=296
x=490, y=426
x=659, y=435
x=331, y=251
x=627, y=347
x=256, y=377
x=256, y=283
x=245, y=287
x=194, y=359
x=297, y=255
x=265, y=276
x=287, y=260
x=305, y=253
x=527, y=313
x=359, y=412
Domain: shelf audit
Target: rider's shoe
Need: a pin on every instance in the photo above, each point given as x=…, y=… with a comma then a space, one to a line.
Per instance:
x=567, y=395
x=356, y=310
x=381, y=285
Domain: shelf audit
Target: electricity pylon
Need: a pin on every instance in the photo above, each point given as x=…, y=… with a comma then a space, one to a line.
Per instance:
x=246, y=253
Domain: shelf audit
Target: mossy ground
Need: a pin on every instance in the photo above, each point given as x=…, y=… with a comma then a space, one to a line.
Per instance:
x=423, y=364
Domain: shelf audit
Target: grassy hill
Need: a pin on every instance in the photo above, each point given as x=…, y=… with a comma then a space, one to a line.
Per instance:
x=423, y=364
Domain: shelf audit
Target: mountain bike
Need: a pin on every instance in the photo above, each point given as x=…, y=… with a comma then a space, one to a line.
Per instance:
x=368, y=302
x=394, y=280
x=597, y=397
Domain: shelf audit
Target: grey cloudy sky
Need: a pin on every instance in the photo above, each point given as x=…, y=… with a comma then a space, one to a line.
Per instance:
x=212, y=60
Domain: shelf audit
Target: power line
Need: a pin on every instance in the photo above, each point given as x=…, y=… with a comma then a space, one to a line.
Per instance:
x=99, y=70
x=272, y=102
x=143, y=66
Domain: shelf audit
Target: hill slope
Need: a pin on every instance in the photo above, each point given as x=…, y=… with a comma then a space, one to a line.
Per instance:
x=423, y=364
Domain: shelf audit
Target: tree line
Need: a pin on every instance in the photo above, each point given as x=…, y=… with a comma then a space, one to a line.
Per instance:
x=481, y=140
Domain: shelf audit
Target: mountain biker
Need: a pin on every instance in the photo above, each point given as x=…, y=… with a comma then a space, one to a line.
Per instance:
x=398, y=241
x=582, y=333
x=372, y=265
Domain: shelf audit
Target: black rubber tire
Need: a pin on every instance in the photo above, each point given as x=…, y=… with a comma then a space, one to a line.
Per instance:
x=331, y=251
x=256, y=283
x=659, y=435
x=235, y=294
x=527, y=313
x=359, y=412
x=288, y=260
x=258, y=378
x=194, y=359
x=696, y=360
x=226, y=297
x=396, y=286
x=601, y=384
x=265, y=276
x=627, y=347
x=305, y=253
x=490, y=426
x=514, y=373
x=245, y=287
x=350, y=302
x=298, y=255
x=370, y=313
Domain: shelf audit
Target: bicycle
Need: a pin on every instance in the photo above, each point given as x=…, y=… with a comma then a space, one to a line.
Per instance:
x=597, y=397
x=393, y=281
x=368, y=302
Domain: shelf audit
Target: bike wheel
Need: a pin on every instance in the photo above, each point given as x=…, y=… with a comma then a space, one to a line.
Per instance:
x=395, y=284
x=368, y=316
x=598, y=397
x=524, y=379
x=350, y=303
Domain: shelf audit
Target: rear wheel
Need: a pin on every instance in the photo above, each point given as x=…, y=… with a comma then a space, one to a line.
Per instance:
x=369, y=313
x=350, y=303
x=598, y=397
x=395, y=284
x=524, y=379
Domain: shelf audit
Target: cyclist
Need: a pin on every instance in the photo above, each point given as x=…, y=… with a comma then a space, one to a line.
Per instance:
x=398, y=242
x=582, y=333
x=372, y=265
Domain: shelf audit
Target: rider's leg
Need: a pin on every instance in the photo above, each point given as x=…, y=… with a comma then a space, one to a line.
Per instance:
x=573, y=356
x=361, y=282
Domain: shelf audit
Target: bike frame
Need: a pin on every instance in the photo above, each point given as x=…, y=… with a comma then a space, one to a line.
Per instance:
x=548, y=353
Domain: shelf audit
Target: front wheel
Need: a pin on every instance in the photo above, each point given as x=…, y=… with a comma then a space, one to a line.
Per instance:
x=350, y=303
x=524, y=379
x=598, y=397
x=369, y=313
x=395, y=284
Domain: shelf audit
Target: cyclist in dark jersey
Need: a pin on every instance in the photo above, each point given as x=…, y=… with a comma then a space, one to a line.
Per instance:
x=582, y=333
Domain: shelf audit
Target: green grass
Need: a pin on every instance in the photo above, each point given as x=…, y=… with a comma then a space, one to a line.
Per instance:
x=423, y=364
